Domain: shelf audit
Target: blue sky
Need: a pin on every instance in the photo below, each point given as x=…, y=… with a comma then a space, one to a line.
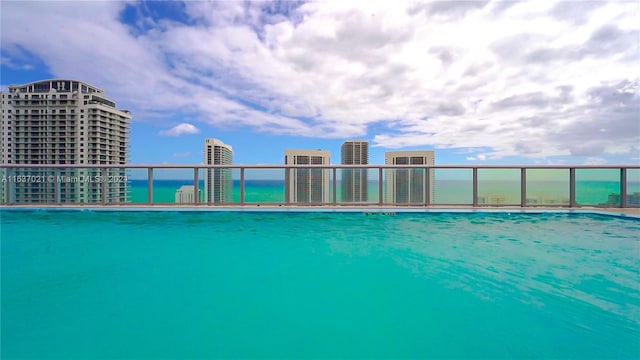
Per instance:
x=479, y=82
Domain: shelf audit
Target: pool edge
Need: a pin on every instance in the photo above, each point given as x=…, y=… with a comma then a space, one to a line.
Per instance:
x=633, y=213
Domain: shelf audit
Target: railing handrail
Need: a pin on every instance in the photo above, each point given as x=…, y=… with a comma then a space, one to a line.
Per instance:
x=330, y=166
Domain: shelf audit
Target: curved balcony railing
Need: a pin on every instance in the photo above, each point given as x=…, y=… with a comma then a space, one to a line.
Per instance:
x=321, y=185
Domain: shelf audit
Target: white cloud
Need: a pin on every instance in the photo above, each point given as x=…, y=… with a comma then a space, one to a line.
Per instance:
x=181, y=129
x=595, y=161
x=477, y=158
x=536, y=79
x=182, y=155
x=5, y=61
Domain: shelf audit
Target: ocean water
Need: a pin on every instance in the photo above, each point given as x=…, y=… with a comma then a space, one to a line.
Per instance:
x=446, y=192
x=148, y=285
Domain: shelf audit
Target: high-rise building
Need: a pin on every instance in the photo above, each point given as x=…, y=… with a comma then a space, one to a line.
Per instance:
x=186, y=194
x=307, y=185
x=354, y=183
x=63, y=122
x=218, y=183
x=408, y=186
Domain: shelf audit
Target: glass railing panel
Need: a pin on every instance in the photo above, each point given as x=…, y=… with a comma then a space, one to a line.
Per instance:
x=170, y=182
x=116, y=185
x=182, y=187
x=220, y=186
x=4, y=189
x=202, y=173
x=264, y=186
x=374, y=185
x=31, y=186
x=598, y=187
x=309, y=186
x=357, y=186
x=235, y=186
x=499, y=187
x=314, y=186
x=452, y=187
x=633, y=187
x=137, y=188
x=333, y=192
x=405, y=186
x=547, y=187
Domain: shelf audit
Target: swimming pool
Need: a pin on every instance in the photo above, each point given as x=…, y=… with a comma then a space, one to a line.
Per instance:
x=88, y=284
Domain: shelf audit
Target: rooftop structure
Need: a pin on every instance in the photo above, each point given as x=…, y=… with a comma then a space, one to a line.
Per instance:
x=355, y=182
x=408, y=186
x=218, y=183
x=186, y=194
x=307, y=185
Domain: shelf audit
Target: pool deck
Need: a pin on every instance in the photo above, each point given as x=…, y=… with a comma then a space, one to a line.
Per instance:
x=373, y=209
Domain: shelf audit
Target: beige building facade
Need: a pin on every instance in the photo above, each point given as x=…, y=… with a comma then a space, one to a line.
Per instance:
x=63, y=122
x=307, y=185
x=218, y=183
x=408, y=186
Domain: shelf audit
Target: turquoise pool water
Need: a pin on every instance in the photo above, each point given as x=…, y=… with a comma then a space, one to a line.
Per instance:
x=83, y=284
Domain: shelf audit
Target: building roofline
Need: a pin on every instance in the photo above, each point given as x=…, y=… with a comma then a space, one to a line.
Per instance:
x=218, y=142
x=54, y=79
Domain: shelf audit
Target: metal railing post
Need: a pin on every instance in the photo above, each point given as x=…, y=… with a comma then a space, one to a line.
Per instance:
x=523, y=187
x=335, y=184
x=475, y=186
x=207, y=186
x=380, y=185
x=241, y=186
x=7, y=195
x=196, y=186
x=150, y=185
x=427, y=184
x=287, y=181
x=56, y=187
x=103, y=186
x=572, y=187
x=623, y=187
